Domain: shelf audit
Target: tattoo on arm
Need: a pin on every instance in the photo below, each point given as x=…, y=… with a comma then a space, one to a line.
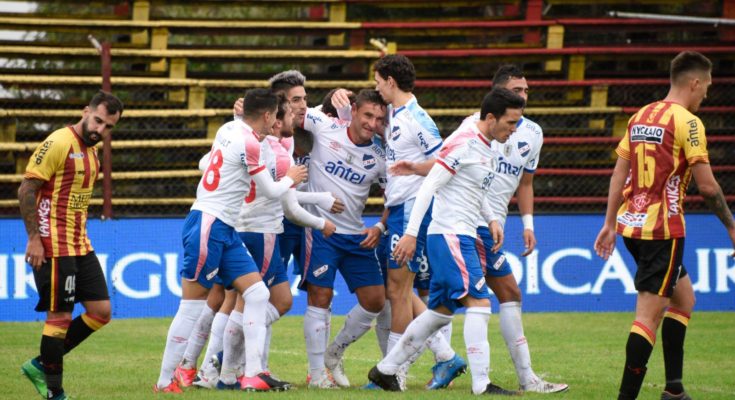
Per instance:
x=27, y=198
x=718, y=205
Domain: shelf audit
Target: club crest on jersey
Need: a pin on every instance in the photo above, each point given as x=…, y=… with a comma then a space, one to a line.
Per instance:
x=524, y=148
x=368, y=161
x=640, y=201
x=393, y=135
x=647, y=134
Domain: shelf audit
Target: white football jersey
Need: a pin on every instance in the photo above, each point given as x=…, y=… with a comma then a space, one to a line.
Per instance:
x=258, y=213
x=233, y=159
x=411, y=135
x=468, y=156
x=518, y=155
x=339, y=166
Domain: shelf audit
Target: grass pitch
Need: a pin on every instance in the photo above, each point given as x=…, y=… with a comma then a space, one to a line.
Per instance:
x=582, y=349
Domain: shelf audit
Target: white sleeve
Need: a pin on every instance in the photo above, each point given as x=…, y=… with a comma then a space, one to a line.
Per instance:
x=270, y=189
x=323, y=200
x=204, y=162
x=486, y=211
x=438, y=177
x=295, y=213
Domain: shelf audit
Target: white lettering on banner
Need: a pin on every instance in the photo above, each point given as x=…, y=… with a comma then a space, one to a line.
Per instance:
x=702, y=284
x=23, y=277
x=614, y=268
x=154, y=280
x=173, y=282
x=3, y=276
x=547, y=270
x=532, y=286
x=725, y=273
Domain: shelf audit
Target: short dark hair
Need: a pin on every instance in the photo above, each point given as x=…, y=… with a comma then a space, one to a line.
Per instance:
x=283, y=105
x=400, y=68
x=498, y=101
x=284, y=81
x=328, y=108
x=369, y=96
x=258, y=102
x=688, y=61
x=505, y=73
x=111, y=102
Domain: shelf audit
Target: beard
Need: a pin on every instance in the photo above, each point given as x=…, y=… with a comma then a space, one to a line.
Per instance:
x=88, y=137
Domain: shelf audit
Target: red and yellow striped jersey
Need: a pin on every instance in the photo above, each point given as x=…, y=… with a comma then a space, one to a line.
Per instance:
x=69, y=169
x=663, y=141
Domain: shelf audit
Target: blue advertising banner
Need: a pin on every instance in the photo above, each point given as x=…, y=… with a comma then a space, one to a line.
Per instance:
x=141, y=259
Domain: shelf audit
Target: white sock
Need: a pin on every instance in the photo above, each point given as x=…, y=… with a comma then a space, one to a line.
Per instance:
x=233, y=345
x=393, y=339
x=440, y=347
x=478, y=348
x=272, y=315
x=177, y=338
x=253, y=324
x=357, y=323
x=316, y=328
x=416, y=334
x=511, y=326
x=446, y=330
x=198, y=337
x=382, y=328
x=215, y=337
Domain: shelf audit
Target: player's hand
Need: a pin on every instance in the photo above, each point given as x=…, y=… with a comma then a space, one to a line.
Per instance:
x=605, y=242
x=405, y=249
x=529, y=241
x=297, y=173
x=328, y=229
x=373, y=237
x=341, y=98
x=338, y=206
x=496, y=231
x=402, y=167
x=238, y=108
x=35, y=254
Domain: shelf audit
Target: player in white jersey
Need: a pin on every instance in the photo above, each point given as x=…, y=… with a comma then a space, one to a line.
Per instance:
x=344, y=161
x=460, y=182
x=211, y=245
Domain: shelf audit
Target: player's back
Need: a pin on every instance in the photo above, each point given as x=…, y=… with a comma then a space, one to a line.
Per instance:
x=663, y=140
x=234, y=157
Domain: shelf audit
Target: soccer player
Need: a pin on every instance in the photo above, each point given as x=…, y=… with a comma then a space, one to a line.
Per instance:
x=664, y=146
x=211, y=245
x=346, y=162
x=54, y=196
x=459, y=182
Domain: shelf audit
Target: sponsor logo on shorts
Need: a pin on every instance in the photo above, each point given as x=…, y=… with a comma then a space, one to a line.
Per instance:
x=633, y=220
x=647, y=134
x=480, y=283
x=270, y=281
x=499, y=262
x=212, y=274
x=672, y=194
x=320, y=271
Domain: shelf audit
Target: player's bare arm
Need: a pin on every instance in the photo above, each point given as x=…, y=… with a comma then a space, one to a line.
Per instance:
x=605, y=242
x=525, y=206
x=405, y=167
x=713, y=196
x=27, y=193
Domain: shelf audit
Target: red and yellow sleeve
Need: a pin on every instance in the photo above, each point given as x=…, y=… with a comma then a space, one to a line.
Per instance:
x=691, y=137
x=47, y=159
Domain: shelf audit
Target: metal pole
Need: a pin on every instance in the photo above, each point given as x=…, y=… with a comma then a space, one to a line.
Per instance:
x=105, y=58
x=675, y=18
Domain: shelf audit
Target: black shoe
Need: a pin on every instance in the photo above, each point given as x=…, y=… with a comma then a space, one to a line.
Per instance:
x=386, y=382
x=681, y=396
x=497, y=390
x=263, y=382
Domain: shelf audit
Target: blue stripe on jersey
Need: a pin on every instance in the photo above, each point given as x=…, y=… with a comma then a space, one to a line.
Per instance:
x=399, y=109
x=423, y=119
x=529, y=171
x=437, y=147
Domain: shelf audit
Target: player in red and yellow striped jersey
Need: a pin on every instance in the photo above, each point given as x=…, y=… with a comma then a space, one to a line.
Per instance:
x=54, y=197
x=664, y=147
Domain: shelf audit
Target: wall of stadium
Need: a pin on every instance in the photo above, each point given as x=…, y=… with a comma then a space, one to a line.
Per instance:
x=141, y=258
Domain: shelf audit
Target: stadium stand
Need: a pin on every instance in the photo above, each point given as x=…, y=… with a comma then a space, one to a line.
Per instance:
x=179, y=68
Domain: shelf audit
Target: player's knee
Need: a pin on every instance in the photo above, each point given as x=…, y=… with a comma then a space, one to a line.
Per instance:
x=283, y=305
x=319, y=296
x=374, y=305
x=256, y=293
x=96, y=321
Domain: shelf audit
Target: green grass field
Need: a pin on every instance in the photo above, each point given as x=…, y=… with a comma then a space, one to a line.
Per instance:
x=584, y=350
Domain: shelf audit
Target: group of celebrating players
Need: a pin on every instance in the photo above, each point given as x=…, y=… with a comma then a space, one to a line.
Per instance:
x=284, y=180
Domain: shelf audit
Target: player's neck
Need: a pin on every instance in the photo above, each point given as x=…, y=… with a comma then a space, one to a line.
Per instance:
x=401, y=98
x=353, y=136
x=677, y=96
